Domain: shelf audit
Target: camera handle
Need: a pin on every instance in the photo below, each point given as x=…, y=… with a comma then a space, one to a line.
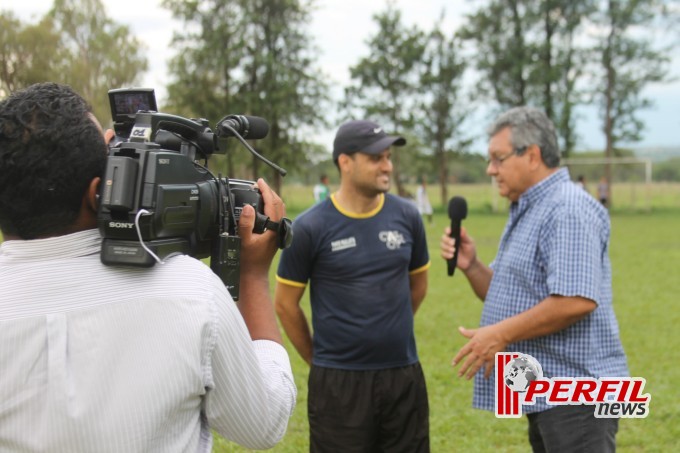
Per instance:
x=283, y=229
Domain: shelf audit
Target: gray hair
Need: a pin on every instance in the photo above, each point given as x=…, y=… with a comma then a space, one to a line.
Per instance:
x=529, y=126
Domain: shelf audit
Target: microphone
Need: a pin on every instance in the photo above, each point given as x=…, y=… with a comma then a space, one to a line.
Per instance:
x=457, y=212
x=252, y=127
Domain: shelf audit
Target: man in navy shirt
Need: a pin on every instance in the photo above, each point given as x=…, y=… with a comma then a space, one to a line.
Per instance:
x=548, y=292
x=364, y=254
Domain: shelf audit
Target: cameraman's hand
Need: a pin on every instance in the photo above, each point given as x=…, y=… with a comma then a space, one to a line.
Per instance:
x=258, y=250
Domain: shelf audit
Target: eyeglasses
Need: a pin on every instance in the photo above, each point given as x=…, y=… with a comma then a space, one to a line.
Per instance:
x=498, y=161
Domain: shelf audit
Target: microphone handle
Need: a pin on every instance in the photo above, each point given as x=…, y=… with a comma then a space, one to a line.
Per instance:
x=455, y=233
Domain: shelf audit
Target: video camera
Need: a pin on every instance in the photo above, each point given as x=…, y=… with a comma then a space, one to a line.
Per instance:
x=157, y=200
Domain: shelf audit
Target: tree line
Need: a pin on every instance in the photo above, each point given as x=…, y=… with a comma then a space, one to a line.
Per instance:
x=257, y=57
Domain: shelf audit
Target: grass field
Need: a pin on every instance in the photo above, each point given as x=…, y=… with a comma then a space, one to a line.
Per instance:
x=645, y=254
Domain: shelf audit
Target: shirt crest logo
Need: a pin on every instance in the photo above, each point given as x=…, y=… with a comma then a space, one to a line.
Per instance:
x=393, y=239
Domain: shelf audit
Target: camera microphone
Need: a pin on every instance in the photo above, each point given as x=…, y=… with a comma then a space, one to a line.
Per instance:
x=457, y=212
x=252, y=127
x=242, y=127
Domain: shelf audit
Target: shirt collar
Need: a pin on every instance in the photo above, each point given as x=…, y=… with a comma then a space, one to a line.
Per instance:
x=355, y=215
x=541, y=189
x=82, y=243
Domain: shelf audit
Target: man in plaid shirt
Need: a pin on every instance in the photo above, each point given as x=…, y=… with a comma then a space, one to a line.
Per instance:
x=548, y=291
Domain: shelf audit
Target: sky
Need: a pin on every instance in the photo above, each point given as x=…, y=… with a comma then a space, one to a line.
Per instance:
x=340, y=29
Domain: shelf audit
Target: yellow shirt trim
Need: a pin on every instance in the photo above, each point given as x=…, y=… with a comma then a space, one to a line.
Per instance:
x=420, y=269
x=290, y=282
x=355, y=215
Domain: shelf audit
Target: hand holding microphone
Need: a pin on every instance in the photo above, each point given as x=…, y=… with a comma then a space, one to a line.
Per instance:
x=457, y=212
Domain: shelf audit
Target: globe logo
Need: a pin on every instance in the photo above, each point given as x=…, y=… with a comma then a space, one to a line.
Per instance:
x=521, y=371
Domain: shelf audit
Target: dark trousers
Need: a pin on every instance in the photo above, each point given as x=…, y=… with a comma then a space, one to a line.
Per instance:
x=374, y=411
x=572, y=429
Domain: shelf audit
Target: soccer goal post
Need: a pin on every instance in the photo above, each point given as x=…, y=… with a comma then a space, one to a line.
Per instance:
x=628, y=176
x=630, y=186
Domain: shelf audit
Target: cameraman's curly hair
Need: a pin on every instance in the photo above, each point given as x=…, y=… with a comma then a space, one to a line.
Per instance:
x=50, y=150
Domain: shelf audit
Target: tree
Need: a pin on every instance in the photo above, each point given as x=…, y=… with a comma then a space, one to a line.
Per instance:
x=527, y=54
x=384, y=84
x=28, y=53
x=100, y=54
x=444, y=112
x=630, y=62
x=558, y=71
x=76, y=44
x=250, y=57
x=498, y=32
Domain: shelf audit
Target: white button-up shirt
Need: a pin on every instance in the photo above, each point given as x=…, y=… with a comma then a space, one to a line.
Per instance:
x=116, y=359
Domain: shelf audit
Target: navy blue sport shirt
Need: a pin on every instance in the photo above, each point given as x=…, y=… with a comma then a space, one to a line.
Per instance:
x=358, y=269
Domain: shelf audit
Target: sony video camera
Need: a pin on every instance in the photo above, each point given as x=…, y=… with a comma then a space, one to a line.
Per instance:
x=157, y=200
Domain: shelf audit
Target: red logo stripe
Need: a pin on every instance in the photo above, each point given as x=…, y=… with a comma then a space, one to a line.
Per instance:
x=507, y=401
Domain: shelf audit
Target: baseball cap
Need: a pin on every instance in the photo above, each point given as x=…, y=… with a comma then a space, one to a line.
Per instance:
x=363, y=136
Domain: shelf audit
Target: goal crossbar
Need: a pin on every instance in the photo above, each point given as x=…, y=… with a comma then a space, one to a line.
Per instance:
x=594, y=161
x=612, y=160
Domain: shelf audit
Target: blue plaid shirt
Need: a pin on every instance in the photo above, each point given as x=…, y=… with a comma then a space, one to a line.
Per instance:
x=555, y=243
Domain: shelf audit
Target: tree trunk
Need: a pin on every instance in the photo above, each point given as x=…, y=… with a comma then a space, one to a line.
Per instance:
x=609, y=100
x=548, y=64
x=443, y=176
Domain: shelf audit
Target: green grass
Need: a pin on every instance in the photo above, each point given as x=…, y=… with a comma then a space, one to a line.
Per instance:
x=645, y=254
x=626, y=197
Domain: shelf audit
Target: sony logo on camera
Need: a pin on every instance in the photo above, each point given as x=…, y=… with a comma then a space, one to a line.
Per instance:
x=121, y=225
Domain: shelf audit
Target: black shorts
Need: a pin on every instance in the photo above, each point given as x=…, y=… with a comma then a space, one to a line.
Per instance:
x=571, y=428
x=368, y=411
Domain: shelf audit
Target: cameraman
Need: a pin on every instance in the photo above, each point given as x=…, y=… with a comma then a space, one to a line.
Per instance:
x=119, y=359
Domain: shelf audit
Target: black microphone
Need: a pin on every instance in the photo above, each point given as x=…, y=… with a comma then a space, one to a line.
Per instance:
x=252, y=127
x=457, y=212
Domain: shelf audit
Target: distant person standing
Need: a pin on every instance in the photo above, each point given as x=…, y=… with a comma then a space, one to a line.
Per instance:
x=423, y=201
x=365, y=257
x=581, y=182
x=603, y=191
x=321, y=190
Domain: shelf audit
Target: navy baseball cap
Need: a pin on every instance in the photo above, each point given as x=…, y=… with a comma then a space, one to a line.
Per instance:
x=363, y=136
